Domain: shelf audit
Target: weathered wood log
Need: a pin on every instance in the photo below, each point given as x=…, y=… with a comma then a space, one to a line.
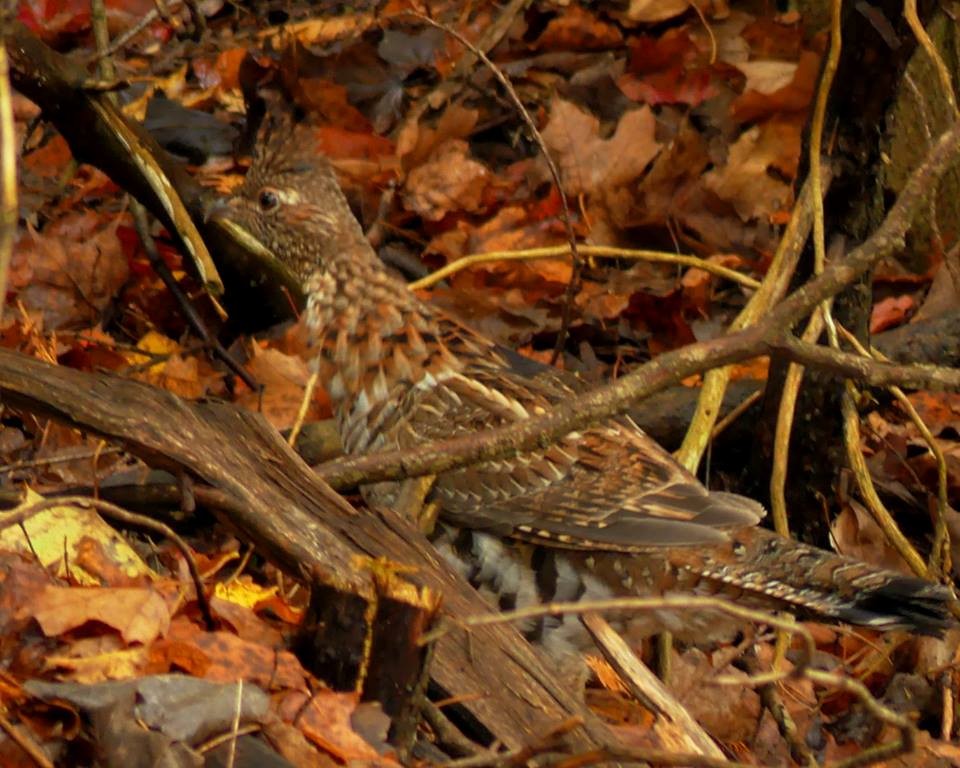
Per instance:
x=298, y=522
x=372, y=644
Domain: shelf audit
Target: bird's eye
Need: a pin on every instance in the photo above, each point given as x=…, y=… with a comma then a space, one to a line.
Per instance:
x=269, y=200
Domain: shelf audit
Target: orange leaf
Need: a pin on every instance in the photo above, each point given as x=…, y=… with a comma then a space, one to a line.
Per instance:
x=139, y=615
x=578, y=29
x=891, y=312
x=338, y=142
x=326, y=721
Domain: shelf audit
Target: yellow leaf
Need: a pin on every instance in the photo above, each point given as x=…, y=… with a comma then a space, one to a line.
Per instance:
x=62, y=531
x=243, y=593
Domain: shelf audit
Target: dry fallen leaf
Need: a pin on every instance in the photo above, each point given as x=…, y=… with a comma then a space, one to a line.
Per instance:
x=450, y=180
x=284, y=378
x=746, y=181
x=118, y=664
x=224, y=657
x=579, y=29
x=856, y=534
x=891, y=312
x=71, y=270
x=589, y=163
x=326, y=720
x=753, y=105
x=139, y=615
x=767, y=76
x=648, y=11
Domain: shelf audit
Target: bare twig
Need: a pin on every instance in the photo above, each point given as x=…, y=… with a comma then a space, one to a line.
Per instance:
x=183, y=301
x=880, y=752
x=447, y=733
x=609, y=399
x=940, y=552
x=851, y=419
x=553, y=251
x=619, y=754
x=446, y=89
x=8, y=177
x=521, y=755
x=304, y=407
x=784, y=428
x=816, y=133
x=946, y=82
x=121, y=40
x=677, y=603
x=235, y=725
x=50, y=460
x=735, y=413
x=774, y=286
x=879, y=511
x=770, y=698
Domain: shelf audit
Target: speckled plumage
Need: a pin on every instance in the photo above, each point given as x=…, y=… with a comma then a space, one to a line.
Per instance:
x=603, y=511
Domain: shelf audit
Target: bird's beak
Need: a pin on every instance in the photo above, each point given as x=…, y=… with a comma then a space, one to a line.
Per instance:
x=220, y=213
x=217, y=210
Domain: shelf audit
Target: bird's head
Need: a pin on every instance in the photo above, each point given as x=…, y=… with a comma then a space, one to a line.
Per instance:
x=290, y=205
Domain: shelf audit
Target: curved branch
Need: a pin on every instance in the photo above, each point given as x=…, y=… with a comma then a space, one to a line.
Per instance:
x=612, y=398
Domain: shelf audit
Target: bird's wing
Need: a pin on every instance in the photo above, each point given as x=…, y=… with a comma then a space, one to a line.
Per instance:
x=605, y=487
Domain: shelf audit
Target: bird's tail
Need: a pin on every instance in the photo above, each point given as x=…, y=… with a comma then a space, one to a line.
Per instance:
x=816, y=584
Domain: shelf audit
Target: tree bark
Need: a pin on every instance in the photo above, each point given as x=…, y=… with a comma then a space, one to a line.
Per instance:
x=300, y=524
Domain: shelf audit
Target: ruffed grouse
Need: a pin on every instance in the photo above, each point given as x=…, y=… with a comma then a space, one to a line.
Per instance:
x=605, y=511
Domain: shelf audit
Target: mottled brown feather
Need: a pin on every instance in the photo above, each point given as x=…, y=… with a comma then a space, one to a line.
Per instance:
x=608, y=505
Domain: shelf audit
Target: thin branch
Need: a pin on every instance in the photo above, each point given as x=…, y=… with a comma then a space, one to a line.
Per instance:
x=522, y=755
x=886, y=240
x=121, y=40
x=553, y=251
x=619, y=754
x=670, y=367
x=774, y=286
x=878, y=373
x=678, y=603
x=940, y=551
x=8, y=177
x=784, y=428
x=22, y=738
x=736, y=413
x=51, y=460
x=946, y=82
x=607, y=400
x=674, y=725
x=141, y=224
x=304, y=407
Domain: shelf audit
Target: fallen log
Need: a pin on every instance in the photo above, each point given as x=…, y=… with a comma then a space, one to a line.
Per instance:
x=277, y=503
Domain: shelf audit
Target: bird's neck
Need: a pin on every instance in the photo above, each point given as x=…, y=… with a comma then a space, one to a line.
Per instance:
x=376, y=341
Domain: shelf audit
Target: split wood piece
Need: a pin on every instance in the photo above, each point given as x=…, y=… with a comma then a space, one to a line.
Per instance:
x=300, y=524
x=371, y=644
x=675, y=727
